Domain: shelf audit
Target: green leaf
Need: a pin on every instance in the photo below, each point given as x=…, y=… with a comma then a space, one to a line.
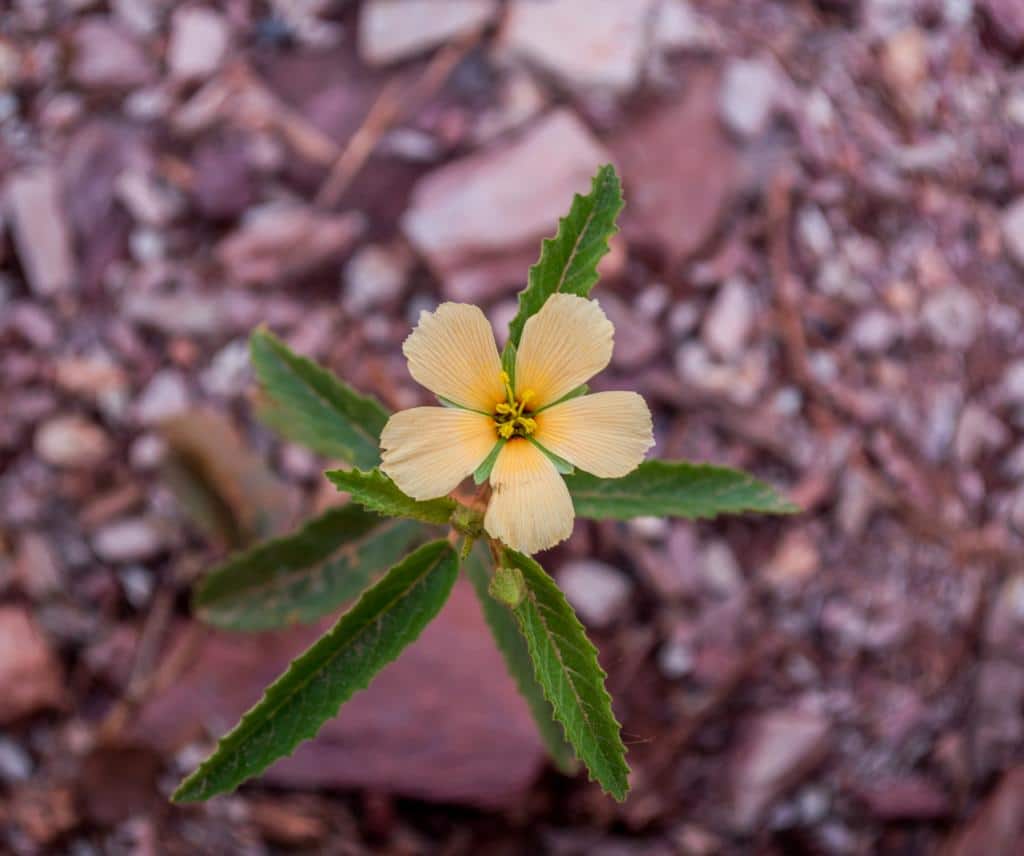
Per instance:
x=483, y=472
x=676, y=489
x=568, y=262
x=310, y=405
x=344, y=660
x=375, y=491
x=305, y=575
x=565, y=665
x=517, y=659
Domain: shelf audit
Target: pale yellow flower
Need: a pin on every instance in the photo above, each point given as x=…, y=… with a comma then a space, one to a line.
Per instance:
x=428, y=451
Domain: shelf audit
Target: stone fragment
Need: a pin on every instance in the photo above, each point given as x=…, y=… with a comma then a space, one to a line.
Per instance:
x=374, y=276
x=41, y=232
x=71, y=441
x=30, y=674
x=130, y=540
x=490, y=209
x=952, y=317
x=874, y=331
x=105, y=55
x=392, y=30
x=199, y=42
x=1013, y=230
x=729, y=322
x=780, y=749
x=749, y=96
x=998, y=826
x=680, y=171
x=165, y=396
x=283, y=242
x=587, y=44
x=597, y=591
x=1005, y=19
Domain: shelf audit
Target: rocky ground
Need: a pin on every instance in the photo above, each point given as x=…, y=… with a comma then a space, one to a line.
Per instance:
x=819, y=278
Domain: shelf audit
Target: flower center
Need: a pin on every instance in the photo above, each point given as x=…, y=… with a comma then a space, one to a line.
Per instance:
x=511, y=417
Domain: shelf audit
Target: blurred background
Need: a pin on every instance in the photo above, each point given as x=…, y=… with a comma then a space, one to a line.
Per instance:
x=819, y=279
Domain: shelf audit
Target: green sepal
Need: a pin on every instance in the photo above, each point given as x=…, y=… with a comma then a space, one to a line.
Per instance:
x=483, y=472
x=507, y=586
x=561, y=464
x=508, y=362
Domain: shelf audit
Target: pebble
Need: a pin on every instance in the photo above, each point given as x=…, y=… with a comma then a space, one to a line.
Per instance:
x=874, y=331
x=749, y=96
x=1013, y=230
x=15, y=762
x=229, y=373
x=199, y=42
x=814, y=232
x=374, y=276
x=952, y=317
x=780, y=749
x=130, y=540
x=166, y=395
x=598, y=592
x=30, y=674
x=41, y=233
x=730, y=319
x=979, y=431
x=392, y=30
x=720, y=569
x=587, y=44
x=71, y=441
x=105, y=55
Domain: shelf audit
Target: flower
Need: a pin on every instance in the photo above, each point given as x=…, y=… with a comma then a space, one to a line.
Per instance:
x=529, y=420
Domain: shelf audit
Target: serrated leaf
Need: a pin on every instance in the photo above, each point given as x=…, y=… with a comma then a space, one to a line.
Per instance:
x=310, y=405
x=674, y=489
x=566, y=666
x=227, y=490
x=375, y=491
x=513, y=648
x=303, y=576
x=568, y=262
x=373, y=633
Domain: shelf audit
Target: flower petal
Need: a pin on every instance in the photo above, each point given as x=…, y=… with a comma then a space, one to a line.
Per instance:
x=564, y=345
x=530, y=508
x=453, y=354
x=427, y=451
x=606, y=434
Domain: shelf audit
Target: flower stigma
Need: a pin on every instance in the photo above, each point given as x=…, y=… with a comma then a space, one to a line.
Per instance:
x=509, y=415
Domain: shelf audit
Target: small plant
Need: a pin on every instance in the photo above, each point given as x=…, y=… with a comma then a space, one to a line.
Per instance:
x=520, y=423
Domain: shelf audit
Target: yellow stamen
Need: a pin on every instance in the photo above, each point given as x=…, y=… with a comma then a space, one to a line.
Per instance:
x=508, y=415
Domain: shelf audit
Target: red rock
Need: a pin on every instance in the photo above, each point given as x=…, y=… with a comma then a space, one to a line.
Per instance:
x=905, y=798
x=442, y=723
x=40, y=230
x=997, y=828
x=478, y=221
x=106, y=56
x=1005, y=18
x=284, y=242
x=588, y=44
x=781, y=747
x=392, y=30
x=680, y=171
x=30, y=675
